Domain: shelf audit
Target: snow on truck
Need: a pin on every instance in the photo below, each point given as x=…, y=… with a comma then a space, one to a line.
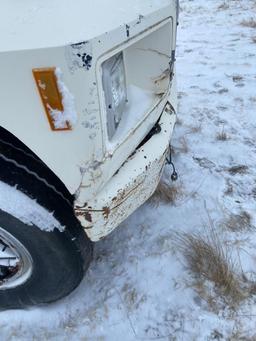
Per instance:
x=88, y=102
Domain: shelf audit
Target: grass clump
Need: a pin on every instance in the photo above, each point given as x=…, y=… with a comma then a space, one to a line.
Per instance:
x=166, y=193
x=179, y=121
x=196, y=129
x=238, y=169
x=183, y=145
x=209, y=260
x=239, y=222
x=222, y=136
x=249, y=23
x=237, y=78
x=223, y=6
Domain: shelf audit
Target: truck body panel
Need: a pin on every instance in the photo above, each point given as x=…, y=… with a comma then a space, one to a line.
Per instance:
x=52, y=23
x=78, y=39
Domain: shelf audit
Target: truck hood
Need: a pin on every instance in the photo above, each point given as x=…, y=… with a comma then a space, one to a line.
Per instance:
x=32, y=24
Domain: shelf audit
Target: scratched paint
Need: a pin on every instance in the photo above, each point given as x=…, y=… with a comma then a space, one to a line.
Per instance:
x=99, y=223
x=79, y=56
x=132, y=185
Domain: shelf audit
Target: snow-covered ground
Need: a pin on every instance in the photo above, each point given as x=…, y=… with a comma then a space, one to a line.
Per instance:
x=138, y=286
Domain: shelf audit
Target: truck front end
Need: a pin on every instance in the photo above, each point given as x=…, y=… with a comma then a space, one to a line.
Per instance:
x=106, y=131
x=134, y=95
x=88, y=106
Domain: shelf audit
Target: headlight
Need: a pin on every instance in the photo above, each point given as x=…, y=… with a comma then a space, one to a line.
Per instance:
x=114, y=84
x=134, y=81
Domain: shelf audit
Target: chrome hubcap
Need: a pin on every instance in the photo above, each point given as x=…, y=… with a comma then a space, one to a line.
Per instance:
x=15, y=261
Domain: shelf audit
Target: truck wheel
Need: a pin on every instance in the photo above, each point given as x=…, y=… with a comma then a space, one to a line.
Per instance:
x=37, y=265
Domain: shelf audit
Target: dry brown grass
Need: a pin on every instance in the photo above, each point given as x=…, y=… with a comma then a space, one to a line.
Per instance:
x=215, y=274
x=229, y=189
x=239, y=222
x=183, y=145
x=249, y=23
x=237, y=78
x=208, y=259
x=195, y=129
x=179, y=121
x=239, y=169
x=223, y=6
x=254, y=193
x=222, y=136
x=238, y=335
x=223, y=91
x=204, y=162
x=166, y=193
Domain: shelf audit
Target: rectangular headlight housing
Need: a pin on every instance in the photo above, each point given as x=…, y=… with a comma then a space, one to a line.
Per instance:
x=135, y=79
x=115, y=90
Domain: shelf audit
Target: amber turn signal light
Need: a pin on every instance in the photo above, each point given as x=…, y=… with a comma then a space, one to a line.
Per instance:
x=51, y=97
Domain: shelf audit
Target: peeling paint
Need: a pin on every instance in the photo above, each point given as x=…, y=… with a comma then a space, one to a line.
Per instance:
x=140, y=19
x=127, y=30
x=79, y=56
x=126, y=199
x=131, y=186
x=106, y=212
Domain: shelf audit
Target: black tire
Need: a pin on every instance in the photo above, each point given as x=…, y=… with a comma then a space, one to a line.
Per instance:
x=58, y=265
x=59, y=259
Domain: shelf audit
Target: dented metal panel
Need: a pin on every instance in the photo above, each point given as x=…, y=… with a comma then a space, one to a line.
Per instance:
x=131, y=186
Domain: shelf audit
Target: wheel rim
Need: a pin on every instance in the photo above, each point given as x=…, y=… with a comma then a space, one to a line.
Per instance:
x=15, y=261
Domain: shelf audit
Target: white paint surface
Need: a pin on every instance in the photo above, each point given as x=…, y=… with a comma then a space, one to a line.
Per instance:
x=36, y=24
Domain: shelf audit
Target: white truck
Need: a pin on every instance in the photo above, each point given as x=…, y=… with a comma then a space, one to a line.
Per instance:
x=88, y=106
